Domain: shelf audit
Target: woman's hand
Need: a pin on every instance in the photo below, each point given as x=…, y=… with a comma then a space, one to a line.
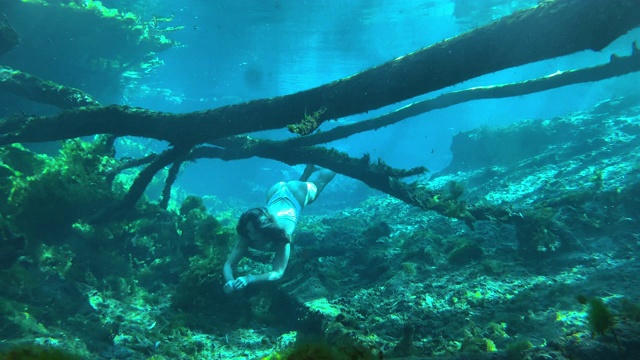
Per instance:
x=242, y=282
x=228, y=287
x=238, y=284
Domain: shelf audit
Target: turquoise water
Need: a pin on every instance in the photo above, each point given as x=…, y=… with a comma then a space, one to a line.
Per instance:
x=524, y=225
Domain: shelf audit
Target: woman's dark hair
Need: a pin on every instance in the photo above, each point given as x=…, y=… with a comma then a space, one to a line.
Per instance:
x=263, y=222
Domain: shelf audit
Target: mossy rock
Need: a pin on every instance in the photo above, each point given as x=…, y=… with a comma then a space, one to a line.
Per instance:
x=375, y=232
x=465, y=252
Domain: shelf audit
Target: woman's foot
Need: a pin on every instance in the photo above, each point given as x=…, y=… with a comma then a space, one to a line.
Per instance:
x=322, y=178
x=308, y=170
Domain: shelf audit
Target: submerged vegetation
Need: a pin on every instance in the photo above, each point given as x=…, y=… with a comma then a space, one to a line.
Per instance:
x=112, y=47
x=51, y=202
x=381, y=275
x=48, y=195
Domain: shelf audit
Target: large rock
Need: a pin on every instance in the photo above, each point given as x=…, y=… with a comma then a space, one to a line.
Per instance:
x=8, y=36
x=540, y=159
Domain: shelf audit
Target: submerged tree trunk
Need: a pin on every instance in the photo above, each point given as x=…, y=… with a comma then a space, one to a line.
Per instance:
x=551, y=29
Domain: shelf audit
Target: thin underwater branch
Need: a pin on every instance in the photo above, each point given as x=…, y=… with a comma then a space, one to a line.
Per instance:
x=377, y=175
x=145, y=176
x=171, y=178
x=43, y=91
x=616, y=66
x=168, y=157
x=129, y=164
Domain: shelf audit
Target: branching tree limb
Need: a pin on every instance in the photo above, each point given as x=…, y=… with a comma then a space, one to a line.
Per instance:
x=172, y=176
x=170, y=156
x=42, y=91
x=376, y=175
x=617, y=66
x=129, y=164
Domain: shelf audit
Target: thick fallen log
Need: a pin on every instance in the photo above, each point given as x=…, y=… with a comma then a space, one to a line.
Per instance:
x=551, y=29
x=379, y=176
x=43, y=91
x=300, y=150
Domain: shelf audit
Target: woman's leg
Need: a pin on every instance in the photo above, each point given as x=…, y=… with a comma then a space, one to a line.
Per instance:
x=321, y=178
x=308, y=170
x=308, y=191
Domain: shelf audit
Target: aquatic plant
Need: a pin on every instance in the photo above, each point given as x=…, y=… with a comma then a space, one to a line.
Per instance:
x=67, y=188
x=198, y=227
x=464, y=252
x=191, y=203
x=600, y=317
x=375, y=232
x=18, y=282
x=493, y=267
x=322, y=350
x=446, y=201
x=55, y=260
x=114, y=42
x=456, y=189
x=410, y=268
x=405, y=346
x=597, y=180
x=308, y=124
x=475, y=340
x=21, y=160
x=37, y=352
x=95, y=6
x=348, y=227
x=534, y=231
x=11, y=245
x=516, y=350
x=204, y=247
